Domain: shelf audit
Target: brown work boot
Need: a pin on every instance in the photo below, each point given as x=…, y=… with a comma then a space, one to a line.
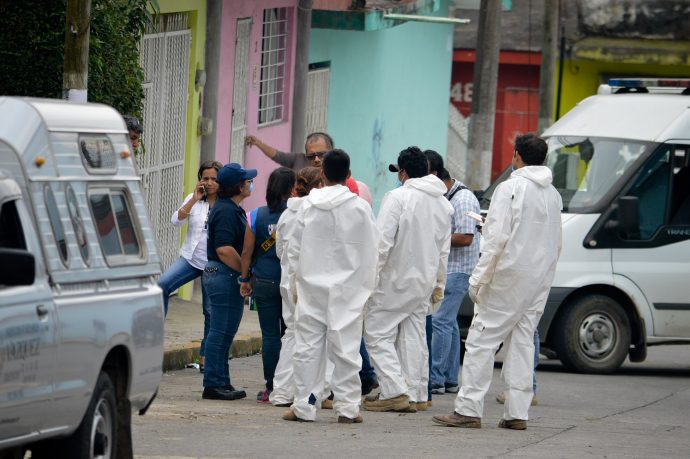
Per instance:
x=501, y=398
x=429, y=404
x=458, y=420
x=514, y=424
x=345, y=420
x=399, y=403
x=290, y=415
x=411, y=408
x=327, y=404
x=422, y=406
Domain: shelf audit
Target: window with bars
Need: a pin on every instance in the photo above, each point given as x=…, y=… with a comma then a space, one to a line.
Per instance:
x=273, y=52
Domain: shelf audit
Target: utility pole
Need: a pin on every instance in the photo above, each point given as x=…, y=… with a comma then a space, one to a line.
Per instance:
x=549, y=53
x=76, y=71
x=481, y=128
x=299, y=100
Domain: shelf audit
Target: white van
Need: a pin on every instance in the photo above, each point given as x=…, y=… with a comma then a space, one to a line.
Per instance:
x=621, y=162
x=81, y=316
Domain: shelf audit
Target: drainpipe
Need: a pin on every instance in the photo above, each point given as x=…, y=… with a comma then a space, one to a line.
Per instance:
x=299, y=99
x=561, y=58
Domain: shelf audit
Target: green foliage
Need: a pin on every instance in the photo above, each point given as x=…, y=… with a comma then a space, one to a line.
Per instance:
x=32, y=33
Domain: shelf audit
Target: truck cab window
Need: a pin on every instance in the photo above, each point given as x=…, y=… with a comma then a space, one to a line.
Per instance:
x=11, y=232
x=652, y=187
x=680, y=197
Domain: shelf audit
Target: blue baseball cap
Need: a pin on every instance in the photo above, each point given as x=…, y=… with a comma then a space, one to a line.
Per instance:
x=232, y=174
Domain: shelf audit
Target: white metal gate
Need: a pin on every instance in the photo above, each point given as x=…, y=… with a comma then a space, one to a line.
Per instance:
x=318, y=81
x=165, y=60
x=240, y=88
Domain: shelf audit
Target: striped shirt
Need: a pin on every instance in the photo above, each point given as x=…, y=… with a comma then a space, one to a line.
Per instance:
x=463, y=259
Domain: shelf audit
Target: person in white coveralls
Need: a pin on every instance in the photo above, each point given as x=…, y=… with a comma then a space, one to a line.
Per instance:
x=414, y=221
x=333, y=252
x=509, y=286
x=283, y=383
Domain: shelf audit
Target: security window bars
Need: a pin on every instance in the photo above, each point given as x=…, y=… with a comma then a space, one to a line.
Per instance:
x=273, y=49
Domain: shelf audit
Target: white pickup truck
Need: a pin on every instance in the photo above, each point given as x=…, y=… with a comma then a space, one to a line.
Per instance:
x=621, y=162
x=81, y=316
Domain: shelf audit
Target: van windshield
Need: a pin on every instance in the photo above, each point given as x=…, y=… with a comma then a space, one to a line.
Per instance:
x=584, y=169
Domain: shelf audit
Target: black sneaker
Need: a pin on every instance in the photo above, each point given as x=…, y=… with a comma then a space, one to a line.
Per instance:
x=438, y=389
x=452, y=388
x=222, y=393
x=368, y=385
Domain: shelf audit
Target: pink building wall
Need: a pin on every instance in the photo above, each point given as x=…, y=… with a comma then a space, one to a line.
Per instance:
x=277, y=134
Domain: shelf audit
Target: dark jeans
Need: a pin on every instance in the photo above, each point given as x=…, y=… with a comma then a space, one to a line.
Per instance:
x=269, y=305
x=227, y=306
x=429, y=331
x=367, y=372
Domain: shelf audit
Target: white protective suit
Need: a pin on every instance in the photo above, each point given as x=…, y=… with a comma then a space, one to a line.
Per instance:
x=414, y=221
x=521, y=245
x=283, y=383
x=333, y=252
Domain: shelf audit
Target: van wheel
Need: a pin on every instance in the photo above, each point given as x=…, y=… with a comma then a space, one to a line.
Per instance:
x=593, y=335
x=96, y=435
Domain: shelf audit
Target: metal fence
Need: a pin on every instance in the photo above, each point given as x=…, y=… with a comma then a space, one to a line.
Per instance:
x=165, y=60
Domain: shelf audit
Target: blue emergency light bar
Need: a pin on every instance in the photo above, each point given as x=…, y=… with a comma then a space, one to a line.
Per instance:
x=649, y=82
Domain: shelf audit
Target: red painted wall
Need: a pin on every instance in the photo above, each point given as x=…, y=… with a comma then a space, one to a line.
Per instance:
x=517, y=100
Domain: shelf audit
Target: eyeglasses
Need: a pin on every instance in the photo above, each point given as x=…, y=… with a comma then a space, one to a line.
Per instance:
x=313, y=156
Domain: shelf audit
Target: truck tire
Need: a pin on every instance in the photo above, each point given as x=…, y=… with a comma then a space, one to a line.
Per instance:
x=96, y=436
x=592, y=335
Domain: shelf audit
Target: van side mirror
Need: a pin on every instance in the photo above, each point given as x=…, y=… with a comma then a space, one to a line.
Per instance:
x=17, y=267
x=629, y=214
x=628, y=222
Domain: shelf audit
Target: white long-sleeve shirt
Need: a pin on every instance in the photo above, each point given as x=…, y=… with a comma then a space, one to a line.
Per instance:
x=194, y=248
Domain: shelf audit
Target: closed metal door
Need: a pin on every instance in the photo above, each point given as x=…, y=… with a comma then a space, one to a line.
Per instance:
x=318, y=82
x=165, y=59
x=240, y=88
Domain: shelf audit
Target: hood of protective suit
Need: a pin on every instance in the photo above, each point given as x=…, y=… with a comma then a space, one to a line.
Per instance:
x=330, y=197
x=541, y=175
x=295, y=203
x=429, y=184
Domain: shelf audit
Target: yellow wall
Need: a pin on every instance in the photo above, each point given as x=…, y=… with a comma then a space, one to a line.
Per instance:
x=582, y=78
x=196, y=14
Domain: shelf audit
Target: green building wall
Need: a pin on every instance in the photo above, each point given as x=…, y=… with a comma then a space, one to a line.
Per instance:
x=389, y=89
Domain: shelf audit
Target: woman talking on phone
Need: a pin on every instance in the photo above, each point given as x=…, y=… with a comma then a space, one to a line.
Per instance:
x=194, y=211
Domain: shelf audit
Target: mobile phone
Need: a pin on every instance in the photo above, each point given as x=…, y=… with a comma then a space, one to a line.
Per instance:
x=203, y=190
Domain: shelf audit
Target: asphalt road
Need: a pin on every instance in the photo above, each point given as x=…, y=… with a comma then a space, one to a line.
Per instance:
x=643, y=410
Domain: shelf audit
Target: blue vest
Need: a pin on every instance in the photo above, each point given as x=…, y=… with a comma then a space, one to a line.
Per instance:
x=266, y=264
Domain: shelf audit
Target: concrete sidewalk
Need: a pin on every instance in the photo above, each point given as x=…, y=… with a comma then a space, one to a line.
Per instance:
x=184, y=328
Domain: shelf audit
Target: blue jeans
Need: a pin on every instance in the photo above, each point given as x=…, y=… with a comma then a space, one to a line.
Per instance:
x=537, y=345
x=429, y=331
x=227, y=306
x=445, y=344
x=269, y=304
x=367, y=372
x=178, y=274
